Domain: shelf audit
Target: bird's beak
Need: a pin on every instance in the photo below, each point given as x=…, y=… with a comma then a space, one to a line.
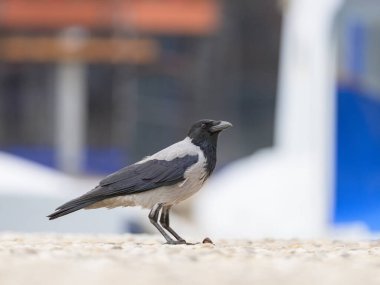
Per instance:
x=220, y=126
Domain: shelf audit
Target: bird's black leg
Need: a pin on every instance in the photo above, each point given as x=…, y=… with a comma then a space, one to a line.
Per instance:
x=164, y=221
x=153, y=217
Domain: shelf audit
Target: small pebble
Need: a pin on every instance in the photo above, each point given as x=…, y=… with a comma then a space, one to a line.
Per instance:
x=207, y=240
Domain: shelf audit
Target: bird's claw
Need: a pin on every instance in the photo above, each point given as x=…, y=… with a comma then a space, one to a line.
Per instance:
x=181, y=241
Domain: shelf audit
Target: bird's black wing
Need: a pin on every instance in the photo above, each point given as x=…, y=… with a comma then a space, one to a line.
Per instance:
x=132, y=179
x=147, y=175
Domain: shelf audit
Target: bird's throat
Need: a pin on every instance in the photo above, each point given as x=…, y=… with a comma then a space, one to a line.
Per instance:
x=208, y=146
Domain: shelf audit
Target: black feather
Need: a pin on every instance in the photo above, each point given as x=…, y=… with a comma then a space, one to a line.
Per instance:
x=132, y=179
x=201, y=136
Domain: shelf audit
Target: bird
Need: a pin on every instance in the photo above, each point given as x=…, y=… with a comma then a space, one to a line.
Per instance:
x=159, y=181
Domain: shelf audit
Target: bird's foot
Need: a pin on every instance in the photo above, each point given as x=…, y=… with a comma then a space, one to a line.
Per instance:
x=192, y=243
x=181, y=241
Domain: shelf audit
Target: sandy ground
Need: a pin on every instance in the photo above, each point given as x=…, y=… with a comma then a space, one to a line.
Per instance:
x=125, y=259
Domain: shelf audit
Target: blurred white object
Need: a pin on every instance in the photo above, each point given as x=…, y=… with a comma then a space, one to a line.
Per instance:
x=29, y=192
x=286, y=191
x=19, y=176
x=71, y=116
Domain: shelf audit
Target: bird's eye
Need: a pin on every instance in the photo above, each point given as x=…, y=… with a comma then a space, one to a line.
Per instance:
x=203, y=126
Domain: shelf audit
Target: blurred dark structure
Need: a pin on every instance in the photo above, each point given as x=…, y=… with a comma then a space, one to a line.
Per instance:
x=145, y=70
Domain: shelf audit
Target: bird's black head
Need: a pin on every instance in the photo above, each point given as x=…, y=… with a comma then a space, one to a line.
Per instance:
x=206, y=131
x=205, y=135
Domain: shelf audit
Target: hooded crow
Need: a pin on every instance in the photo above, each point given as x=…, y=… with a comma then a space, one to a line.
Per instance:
x=159, y=181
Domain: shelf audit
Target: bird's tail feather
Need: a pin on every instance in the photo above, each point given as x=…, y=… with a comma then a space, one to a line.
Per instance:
x=68, y=208
x=76, y=204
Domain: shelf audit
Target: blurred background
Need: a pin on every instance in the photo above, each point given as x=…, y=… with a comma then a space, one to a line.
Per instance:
x=87, y=87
